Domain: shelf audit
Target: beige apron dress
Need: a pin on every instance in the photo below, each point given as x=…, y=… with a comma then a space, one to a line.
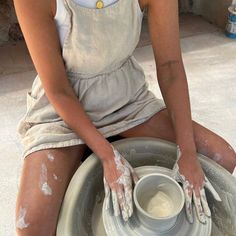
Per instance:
x=107, y=79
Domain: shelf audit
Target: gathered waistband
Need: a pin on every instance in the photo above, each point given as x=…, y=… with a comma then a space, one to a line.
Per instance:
x=78, y=75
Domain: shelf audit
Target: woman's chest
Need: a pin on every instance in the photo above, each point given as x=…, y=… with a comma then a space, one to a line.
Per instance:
x=92, y=3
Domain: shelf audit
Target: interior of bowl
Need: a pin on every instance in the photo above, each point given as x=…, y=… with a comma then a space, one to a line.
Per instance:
x=149, y=186
x=86, y=192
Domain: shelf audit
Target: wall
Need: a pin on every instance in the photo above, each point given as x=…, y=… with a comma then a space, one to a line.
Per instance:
x=9, y=28
x=215, y=11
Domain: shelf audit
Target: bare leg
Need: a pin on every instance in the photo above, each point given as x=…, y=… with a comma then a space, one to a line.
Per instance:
x=44, y=180
x=207, y=142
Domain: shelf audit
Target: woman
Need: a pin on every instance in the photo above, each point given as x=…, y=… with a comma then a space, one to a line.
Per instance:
x=89, y=87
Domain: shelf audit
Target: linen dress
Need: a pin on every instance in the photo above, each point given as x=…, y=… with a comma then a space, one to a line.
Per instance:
x=106, y=77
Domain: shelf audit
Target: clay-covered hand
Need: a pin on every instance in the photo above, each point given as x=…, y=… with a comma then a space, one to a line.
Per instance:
x=190, y=174
x=118, y=176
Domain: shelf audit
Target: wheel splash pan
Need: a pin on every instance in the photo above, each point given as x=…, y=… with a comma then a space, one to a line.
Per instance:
x=78, y=214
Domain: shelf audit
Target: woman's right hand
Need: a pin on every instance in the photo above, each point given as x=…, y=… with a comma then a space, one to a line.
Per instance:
x=118, y=176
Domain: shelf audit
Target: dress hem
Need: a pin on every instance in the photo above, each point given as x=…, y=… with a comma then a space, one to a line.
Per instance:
x=79, y=141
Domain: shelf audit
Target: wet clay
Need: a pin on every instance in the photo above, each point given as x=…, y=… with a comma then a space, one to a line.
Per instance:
x=44, y=186
x=159, y=205
x=21, y=224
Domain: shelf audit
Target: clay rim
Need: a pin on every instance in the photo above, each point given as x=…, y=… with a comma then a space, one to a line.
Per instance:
x=150, y=216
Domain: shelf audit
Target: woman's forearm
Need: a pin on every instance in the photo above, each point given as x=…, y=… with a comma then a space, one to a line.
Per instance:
x=72, y=112
x=43, y=43
x=173, y=84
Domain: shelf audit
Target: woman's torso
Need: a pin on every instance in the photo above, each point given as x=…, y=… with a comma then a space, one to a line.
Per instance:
x=99, y=41
x=98, y=54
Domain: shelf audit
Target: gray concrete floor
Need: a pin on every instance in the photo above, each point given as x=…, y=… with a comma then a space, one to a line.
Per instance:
x=209, y=59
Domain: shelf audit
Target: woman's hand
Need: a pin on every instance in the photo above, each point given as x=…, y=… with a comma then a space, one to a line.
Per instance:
x=118, y=175
x=188, y=171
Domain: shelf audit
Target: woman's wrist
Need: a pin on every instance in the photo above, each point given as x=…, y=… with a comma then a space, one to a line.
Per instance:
x=186, y=142
x=187, y=151
x=103, y=149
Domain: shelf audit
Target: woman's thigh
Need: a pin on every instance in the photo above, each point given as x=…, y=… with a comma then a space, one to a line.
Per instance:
x=44, y=180
x=207, y=142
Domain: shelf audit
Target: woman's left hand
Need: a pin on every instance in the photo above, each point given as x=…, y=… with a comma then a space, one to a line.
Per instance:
x=188, y=171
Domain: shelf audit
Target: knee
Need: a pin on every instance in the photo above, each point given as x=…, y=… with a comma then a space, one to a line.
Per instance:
x=29, y=221
x=232, y=159
x=226, y=157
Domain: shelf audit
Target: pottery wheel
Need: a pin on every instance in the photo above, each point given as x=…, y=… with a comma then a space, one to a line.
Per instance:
x=115, y=226
x=81, y=211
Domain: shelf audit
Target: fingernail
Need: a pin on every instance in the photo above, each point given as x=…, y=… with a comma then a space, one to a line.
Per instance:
x=189, y=213
x=208, y=214
x=190, y=218
x=130, y=212
x=203, y=219
x=125, y=216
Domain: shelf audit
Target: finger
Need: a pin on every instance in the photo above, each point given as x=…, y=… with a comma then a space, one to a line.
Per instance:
x=209, y=186
x=107, y=194
x=175, y=171
x=134, y=176
x=132, y=171
x=122, y=203
x=128, y=196
x=198, y=207
x=115, y=203
x=176, y=174
x=205, y=206
x=188, y=202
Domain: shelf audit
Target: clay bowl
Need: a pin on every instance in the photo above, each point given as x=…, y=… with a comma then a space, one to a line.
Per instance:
x=145, y=190
x=82, y=206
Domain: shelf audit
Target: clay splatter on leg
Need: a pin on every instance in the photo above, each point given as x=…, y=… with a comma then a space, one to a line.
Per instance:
x=50, y=157
x=55, y=177
x=45, y=188
x=217, y=157
x=206, y=142
x=21, y=219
